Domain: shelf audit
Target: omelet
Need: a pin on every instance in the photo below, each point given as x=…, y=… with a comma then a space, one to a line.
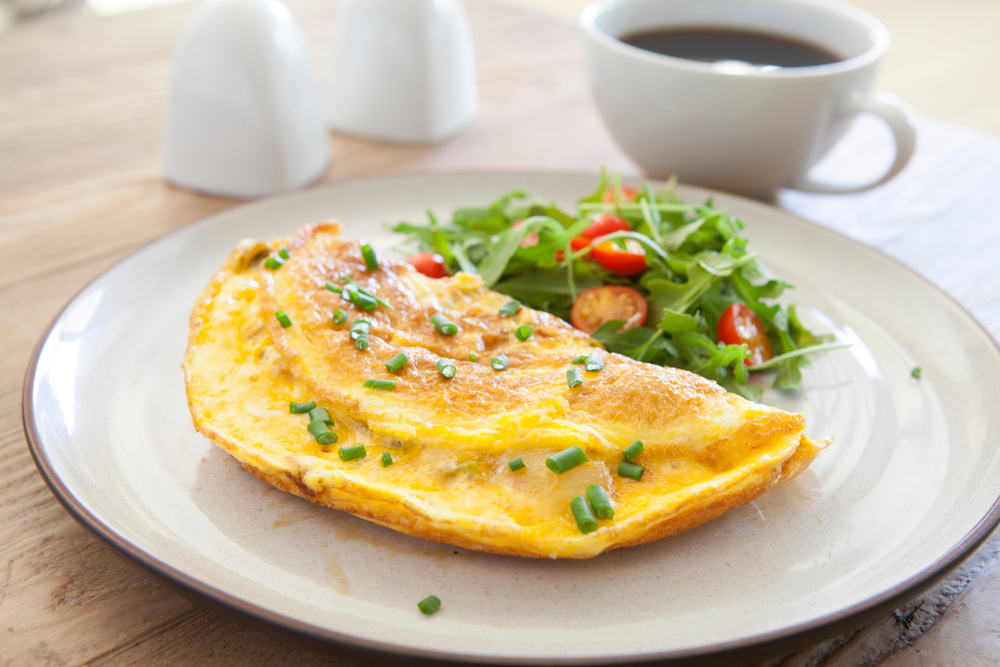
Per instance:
x=463, y=456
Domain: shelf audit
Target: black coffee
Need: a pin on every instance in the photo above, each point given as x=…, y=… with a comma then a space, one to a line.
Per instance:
x=710, y=46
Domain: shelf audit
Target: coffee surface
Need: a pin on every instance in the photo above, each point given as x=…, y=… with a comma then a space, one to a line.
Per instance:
x=713, y=45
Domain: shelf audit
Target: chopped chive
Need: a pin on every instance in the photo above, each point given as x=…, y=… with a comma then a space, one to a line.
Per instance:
x=443, y=324
x=322, y=432
x=284, y=254
x=523, y=332
x=333, y=288
x=500, y=362
x=371, y=259
x=633, y=450
x=301, y=408
x=360, y=328
x=372, y=383
x=362, y=342
x=446, y=367
x=568, y=458
x=283, y=318
x=473, y=357
x=916, y=372
x=429, y=605
x=600, y=502
x=353, y=286
x=352, y=452
x=363, y=301
x=274, y=263
x=397, y=362
x=320, y=415
x=579, y=360
x=595, y=362
x=573, y=378
x=510, y=308
x=386, y=459
x=339, y=317
x=630, y=470
x=585, y=520
x=515, y=464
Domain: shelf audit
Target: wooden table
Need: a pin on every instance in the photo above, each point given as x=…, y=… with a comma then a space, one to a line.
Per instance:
x=80, y=188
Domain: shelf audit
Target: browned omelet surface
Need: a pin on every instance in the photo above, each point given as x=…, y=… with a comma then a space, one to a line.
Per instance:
x=705, y=450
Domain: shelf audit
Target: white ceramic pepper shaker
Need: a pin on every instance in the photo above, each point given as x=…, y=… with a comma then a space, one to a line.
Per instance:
x=244, y=116
x=402, y=71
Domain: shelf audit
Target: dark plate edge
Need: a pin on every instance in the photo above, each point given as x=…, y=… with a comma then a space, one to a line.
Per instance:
x=754, y=648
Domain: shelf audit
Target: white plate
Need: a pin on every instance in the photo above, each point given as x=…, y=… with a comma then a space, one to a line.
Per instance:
x=910, y=485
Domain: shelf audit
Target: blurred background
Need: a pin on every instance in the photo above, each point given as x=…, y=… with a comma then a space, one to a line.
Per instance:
x=943, y=59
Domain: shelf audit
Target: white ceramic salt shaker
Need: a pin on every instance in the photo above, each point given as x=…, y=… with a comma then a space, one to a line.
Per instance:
x=402, y=71
x=244, y=116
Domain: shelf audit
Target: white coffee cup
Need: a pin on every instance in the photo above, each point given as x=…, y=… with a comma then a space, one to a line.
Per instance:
x=744, y=129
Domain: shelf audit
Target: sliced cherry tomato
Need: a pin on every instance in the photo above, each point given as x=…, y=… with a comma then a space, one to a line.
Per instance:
x=739, y=325
x=529, y=241
x=430, y=264
x=630, y=261
x=579, y=242
x=628, y=194
x=605, y=223
x=597, y=305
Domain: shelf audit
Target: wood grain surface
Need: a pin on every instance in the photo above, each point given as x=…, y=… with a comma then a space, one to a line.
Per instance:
x=80, y=188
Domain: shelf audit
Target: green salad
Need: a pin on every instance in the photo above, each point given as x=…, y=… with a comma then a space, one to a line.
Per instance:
x=647, y=275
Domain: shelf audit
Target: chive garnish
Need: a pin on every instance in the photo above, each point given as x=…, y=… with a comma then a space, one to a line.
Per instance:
x=585, y=520
x=333, y=288
x=573, y=378
x=339, y=317
x=473, y=357
x=371, y=259
x=386, y=459
x=500, y=362
x=429, y=605
x=362, y=342
x=600, y=502
x=595, y=362
x=446, y=367
x=443, y=324
x=630, y=470
x=515, y=464
x=301, y=408
x=283, y=318
x=579, y=360
x=322, y=432
x=360, y=328
x=633, y=450
x=397, y=362
x=320, y=415
x=284, y=254
x=510, y=308
x=353, y=286
x=372, y=383
x=362, y=301
x=274, y=263
x=523, y=332
x=916, y=372
x=352, y=452
x=568, y=458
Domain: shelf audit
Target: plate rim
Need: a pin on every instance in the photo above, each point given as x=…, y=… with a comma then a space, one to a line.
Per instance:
x=790, y=637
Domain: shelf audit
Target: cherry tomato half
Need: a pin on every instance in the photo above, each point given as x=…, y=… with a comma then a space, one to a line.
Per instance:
x=738, y=325
x=430, y=264
x=605, y=223
x=630, y=261
x=597, y=305
x=628, y=194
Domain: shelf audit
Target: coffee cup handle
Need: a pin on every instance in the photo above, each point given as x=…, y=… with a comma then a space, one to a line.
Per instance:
x=900, y=118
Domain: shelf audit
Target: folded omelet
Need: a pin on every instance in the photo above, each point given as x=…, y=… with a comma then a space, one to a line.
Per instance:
x=262, y=338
